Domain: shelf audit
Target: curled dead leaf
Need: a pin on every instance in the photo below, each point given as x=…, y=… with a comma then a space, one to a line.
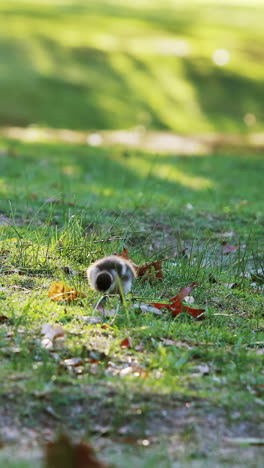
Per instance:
x=60, y=291
x=125, y=255
x=150, y=271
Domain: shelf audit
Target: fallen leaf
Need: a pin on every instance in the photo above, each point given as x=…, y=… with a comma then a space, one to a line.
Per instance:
x=63, y=453
x=176, y=306
x=60, y=291
x=125, y=255
x=150, y=271
x=3, y=318
x=126, y=343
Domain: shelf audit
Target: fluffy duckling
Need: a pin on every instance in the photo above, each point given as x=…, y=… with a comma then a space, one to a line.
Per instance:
x=111, y=275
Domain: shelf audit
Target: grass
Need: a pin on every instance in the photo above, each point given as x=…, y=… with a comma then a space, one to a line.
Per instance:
x=187, y=389
x=187, y=392
x=109, y=64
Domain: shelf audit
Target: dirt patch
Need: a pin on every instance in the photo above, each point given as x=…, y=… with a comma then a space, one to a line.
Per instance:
x=142, y=139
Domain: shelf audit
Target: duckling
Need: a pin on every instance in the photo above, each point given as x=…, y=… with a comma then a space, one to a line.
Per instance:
x=111, y=275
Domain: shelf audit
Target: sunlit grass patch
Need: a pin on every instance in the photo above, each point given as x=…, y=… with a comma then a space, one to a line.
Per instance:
x=104, y=65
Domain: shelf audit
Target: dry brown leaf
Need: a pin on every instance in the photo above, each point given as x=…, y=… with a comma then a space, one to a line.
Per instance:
x=60, y=291
x=63, y=453
x=150, y=271
x=3, y=318
x=124, y=254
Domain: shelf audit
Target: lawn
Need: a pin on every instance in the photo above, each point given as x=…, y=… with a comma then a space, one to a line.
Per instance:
x=185, y=392
x=191, y=67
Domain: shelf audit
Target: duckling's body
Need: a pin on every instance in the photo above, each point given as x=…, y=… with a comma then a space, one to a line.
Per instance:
x=111, y=275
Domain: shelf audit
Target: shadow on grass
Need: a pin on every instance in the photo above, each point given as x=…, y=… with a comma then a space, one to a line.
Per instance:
x=86, y=83
x=97, y=179
x=224, y=95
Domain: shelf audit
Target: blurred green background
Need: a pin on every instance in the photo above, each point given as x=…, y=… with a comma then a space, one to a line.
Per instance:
x=189, y=66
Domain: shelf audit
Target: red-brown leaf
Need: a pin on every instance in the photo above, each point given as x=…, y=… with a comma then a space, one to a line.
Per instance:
x=183, y=292
x=126, y=343
x=194, y=312
x=150, y=271
x=124, y=254
x=176, y=306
